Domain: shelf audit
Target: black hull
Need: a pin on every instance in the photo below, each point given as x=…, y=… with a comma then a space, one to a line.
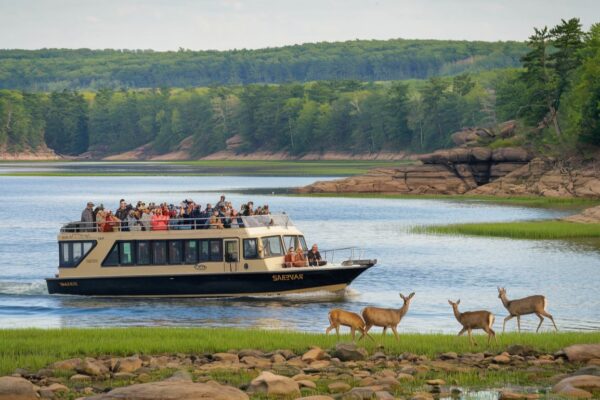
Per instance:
x=210, y=285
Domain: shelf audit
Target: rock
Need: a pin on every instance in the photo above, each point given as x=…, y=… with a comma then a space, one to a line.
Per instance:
x=250, y=352
x=307, y=384
x=587, y=216
x=13, y=388
x=449, y=356
x=383, y=395
x=350, y=352
x=421, y=396
x=359, y=393
x=274, y=385
x=127, y=364
x=257, y=362
x=66, y=365
x=317, y=397
x=570, y=391
x=314, y=354
x=180, y=376
x=285, y=370
x=174, y=390
x=520, y=350
x=338, y=387
x=124, y=375
x=405, y=377
x=57, y=388
x=470, y=136
x=588, y=370
x=435, y=382
x=318, y=365
x=508, y=395
x=80, y=378
x=228, y=357
x=511, y=154
x=501, y=359
x=507, y=129
x=586, y=382
x=277, y=359
x=91, y=366
x=143, y=378
x=582, y=352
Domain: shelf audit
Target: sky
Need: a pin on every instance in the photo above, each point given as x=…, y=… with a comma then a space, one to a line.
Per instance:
x=237, y=24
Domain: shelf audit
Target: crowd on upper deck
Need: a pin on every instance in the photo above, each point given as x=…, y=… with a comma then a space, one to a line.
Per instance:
x=163, y=216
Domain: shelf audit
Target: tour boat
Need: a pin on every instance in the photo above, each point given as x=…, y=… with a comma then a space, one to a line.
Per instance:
x=246, y=259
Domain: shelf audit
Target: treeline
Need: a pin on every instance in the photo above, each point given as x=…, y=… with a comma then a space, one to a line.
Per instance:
x=348, y=116
x=558, y=93
x=364, y=60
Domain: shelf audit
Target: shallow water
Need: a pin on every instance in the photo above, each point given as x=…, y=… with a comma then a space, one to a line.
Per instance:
x=435, y=267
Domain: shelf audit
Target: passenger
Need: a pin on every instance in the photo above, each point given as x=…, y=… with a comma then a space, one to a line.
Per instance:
x=288, y=260
x=132, y=221
x=122, y=211
x=314, y=257
x=101, y=220
x=88, y=218
x=215, y=221
x=159, y=221
x=220, y=203
x=145, y=219
x=249, y=210
x=112, y=223
x=299, y=260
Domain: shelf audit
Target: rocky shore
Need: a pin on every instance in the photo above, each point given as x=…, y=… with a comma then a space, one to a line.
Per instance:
x=343, y=372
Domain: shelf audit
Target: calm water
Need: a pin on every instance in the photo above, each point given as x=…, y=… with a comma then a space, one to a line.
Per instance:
x=436, y=268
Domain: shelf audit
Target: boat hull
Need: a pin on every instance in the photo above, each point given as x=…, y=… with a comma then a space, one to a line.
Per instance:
x=210, y=285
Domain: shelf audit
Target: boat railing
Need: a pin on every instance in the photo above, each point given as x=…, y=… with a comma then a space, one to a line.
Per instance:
x=342, y=255
x=177, y=224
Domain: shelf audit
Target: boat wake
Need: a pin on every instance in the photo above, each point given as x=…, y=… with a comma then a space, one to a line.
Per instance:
x=35, y=288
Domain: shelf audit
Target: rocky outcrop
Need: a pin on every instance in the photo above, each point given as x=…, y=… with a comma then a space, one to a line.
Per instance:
x=175, y=390
x=41, y=153
x=549, y=178
x=588, y=216
x=16, y=388
x=582, y=352
x=452, y=171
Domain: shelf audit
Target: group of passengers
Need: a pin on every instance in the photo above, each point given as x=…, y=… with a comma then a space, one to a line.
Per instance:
x=162, y=217
x=298, y=259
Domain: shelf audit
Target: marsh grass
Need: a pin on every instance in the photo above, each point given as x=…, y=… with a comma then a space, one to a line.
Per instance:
x=36, y=348
x=518, y=230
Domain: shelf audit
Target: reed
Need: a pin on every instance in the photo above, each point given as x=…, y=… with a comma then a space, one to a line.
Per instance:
x=36, y=348
x=518, y=230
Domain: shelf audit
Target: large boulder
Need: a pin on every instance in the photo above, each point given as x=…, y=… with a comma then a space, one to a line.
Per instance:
x=174, y=390
x=511, y=154
x=469, y=136
x=125, y=364
x=93, y=367
x=350, y=352
x=13, y=388
x=582, y=352
x=314, y=354
x=584, y=382
x=274, y=385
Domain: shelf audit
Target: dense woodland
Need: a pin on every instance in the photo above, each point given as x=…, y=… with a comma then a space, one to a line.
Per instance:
x=364, y=60
x=555, y=96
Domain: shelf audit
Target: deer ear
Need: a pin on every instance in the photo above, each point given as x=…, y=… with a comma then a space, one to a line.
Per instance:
x=450, y=302
x=458, y=301
x=402, y=296
x=410, y=296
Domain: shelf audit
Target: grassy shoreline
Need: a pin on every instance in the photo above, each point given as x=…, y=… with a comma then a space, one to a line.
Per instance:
x=547, y=229
x=36, y=348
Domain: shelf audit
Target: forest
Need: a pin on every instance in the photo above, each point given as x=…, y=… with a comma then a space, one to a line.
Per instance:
x=364, y=60
x=555, y=96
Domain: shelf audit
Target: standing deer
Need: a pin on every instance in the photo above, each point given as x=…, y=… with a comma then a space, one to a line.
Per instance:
x=529, y=305
x=474, y=320
x=352, y=320
x=386, y=317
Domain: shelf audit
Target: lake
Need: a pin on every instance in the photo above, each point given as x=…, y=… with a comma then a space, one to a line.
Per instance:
x=437, y=268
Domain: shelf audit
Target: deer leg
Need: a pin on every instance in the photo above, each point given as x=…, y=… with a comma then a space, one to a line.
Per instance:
x=367, y=327
x=395, y=332
x=337, y=331
x=491, y=334
x=548, y=315
x=328, y=330
x=541, y=321
x=519, y=323
x=384, y=330
x=463, y=330
x=506, y=319
x=353, y=332
x=471, y=337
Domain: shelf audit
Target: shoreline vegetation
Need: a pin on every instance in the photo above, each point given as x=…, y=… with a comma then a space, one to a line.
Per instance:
x=86, y=361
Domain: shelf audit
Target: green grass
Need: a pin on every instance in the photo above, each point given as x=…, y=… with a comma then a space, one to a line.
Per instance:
x=35, y=348
x=540, y=202
x=232, y=167
x=518, y=230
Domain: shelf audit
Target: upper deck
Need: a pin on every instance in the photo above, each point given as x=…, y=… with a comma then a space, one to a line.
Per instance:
x=181, y=224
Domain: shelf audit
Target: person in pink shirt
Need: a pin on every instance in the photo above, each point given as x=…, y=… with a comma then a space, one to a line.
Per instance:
x=159, y=221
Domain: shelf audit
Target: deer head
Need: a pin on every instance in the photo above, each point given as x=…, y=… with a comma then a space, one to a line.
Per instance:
x=501, y=292
x=408, y=298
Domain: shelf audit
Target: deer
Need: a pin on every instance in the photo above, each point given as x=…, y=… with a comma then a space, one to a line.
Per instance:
x=338, y=317
x=474, y=320
x=528, y=305
x=386, y=317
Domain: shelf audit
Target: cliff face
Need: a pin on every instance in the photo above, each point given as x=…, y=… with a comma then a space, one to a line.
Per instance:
x=454, y=171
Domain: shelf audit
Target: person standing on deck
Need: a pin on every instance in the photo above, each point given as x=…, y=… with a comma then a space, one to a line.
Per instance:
x=88, y=218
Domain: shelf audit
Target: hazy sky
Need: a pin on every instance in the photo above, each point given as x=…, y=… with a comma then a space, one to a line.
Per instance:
x=228, y=24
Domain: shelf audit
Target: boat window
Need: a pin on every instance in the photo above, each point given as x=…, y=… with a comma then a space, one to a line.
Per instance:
x=159, y=252
x=250, y=249
x=289, y=241
x=204, y=250
x=303, y=243
x=113, y=257
x=143, y=253
x=216, y=250
x=190, y=250
x=72, y=253
x=175, y=253
x=272, y=246
x=125, y=253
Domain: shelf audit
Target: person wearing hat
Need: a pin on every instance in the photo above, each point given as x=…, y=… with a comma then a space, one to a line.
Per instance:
x=88, y=217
